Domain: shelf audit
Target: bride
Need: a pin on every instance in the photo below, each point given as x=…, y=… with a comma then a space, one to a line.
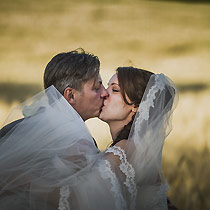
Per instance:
x=49, y=160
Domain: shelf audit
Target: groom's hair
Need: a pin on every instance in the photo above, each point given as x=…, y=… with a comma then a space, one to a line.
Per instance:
x=71, y=69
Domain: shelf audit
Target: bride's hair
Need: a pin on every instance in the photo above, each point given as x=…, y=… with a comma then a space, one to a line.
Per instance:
x=132, y=82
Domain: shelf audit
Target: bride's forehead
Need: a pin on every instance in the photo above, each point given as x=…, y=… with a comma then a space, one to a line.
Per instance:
x=113, y=79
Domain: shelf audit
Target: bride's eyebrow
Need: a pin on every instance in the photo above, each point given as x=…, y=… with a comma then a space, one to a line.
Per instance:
x=112, y=84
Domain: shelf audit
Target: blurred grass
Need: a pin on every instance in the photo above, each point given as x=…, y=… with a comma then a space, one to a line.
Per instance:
x=189, y=175
x=154, y=35
x=192, y=87
x=11, y=92
x=172, y=37
x=189, y=1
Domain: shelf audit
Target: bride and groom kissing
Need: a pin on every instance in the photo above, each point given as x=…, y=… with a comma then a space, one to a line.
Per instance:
x=50, y=160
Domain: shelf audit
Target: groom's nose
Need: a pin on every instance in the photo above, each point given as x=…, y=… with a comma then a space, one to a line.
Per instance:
x=104, y=93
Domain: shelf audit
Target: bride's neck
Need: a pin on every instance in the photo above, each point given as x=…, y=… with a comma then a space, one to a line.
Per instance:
x=116, y=126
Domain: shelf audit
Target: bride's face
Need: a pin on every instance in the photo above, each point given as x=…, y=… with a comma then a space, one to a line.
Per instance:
x=115, y=109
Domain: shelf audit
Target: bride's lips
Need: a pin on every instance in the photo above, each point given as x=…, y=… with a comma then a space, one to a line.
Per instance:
x=102, y=107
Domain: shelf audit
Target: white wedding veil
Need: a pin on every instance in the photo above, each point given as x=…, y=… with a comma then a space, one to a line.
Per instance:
x=50, y=148
x=47, y=148
x=151, y=126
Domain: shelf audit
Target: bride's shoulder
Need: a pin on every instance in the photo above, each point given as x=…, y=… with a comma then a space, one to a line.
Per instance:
x=116, y=154
x=117, y=149
x=122, y=143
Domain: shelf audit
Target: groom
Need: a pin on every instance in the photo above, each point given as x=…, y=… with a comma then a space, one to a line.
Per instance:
x=76, y=76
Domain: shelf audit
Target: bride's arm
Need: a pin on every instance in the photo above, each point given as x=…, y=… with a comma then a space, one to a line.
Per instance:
x=123, y=170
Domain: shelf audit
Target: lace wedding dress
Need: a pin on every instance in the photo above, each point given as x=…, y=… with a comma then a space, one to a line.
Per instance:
x=107, y=186
x=49, y=159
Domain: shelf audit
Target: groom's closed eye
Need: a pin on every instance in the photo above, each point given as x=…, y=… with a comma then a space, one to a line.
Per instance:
x=97, y=86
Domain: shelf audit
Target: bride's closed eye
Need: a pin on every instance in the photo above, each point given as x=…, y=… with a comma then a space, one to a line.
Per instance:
x=114, y=87
x=115, y=90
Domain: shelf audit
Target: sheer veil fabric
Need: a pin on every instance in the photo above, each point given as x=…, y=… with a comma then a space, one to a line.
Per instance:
x=151, y=126
x=49, y=159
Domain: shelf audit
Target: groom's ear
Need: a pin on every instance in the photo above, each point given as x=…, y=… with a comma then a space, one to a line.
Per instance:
x=69, y=95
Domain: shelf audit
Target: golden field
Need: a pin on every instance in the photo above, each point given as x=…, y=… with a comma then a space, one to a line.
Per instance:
x=172, y=37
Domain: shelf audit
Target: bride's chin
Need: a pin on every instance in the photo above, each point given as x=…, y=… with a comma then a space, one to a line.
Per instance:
x=101, y=116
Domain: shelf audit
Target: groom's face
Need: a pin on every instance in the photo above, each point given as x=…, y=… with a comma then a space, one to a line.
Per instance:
x=89, y=101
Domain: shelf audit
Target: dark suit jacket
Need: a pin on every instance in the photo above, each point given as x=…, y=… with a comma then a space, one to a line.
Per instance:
x=11, y=125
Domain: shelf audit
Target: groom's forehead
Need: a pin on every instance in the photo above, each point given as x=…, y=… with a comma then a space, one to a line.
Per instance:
x=93, y=82
x=97, y=80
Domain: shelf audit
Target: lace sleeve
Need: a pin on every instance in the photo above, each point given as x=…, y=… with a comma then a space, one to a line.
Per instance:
x=119, y=166
x=111, y=178
x=64, y=195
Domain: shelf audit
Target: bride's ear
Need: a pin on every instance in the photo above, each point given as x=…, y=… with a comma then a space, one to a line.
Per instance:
x=134, y=109
x=69, y=95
